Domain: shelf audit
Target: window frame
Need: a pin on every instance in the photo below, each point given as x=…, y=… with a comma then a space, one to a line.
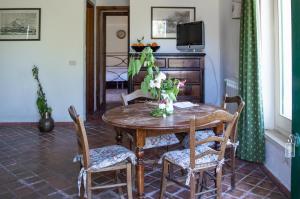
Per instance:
x=282, y=123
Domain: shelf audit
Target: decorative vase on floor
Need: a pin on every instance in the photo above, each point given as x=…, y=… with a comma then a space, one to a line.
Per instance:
x=46, y=123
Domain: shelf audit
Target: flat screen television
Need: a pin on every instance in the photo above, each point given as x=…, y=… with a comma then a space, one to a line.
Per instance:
x=190, y=36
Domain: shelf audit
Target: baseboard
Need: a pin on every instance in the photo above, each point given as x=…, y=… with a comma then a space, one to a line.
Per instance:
x=33, y=123
x=281, y=187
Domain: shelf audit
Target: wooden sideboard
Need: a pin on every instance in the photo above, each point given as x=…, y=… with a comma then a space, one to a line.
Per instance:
x=183, y=66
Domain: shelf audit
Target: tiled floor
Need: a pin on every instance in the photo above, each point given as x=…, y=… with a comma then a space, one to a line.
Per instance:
x=35, y=165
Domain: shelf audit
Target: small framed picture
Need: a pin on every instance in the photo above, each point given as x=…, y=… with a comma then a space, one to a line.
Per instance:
x=164, y=20
x=236, y=9
x=20, y=24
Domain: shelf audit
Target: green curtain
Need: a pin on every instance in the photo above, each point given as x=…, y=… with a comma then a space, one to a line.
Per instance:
x=251, y=125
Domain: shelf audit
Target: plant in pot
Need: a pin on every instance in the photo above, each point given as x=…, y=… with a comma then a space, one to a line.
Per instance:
x=46, y=122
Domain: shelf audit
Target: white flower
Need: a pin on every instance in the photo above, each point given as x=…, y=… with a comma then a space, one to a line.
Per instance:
x=161, y=106
x=164, y=95
x=152, y=84
x=161, y=76
x=146, y=63
x=157, y=84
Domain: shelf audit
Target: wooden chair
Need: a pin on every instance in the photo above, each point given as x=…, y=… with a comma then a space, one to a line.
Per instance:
x=109, y=158
x=134, y=95
x=196, y=160
x=233, y=142
x=151, y=142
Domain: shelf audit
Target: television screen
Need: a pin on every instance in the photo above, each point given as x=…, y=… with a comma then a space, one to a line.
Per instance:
x=190, y=35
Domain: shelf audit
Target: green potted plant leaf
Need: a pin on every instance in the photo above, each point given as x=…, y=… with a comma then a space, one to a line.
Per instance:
x=46, y=122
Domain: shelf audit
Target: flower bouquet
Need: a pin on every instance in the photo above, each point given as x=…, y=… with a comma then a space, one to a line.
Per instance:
x=164, y=89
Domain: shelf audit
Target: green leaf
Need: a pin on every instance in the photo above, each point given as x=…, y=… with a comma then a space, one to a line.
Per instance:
x=144, y=87
x=172, y=96
x=150, y=71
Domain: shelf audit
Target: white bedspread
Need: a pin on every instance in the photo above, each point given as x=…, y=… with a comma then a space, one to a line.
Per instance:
x=116, y=73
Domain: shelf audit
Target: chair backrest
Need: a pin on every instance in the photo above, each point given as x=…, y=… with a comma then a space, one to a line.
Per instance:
x=240, y=106
x=82, y=141
x=217, y=116
x=134, y=95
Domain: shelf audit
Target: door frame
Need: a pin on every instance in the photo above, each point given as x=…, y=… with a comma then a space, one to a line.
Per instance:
x=90, y=55
x=102, y=12
x=295, y=191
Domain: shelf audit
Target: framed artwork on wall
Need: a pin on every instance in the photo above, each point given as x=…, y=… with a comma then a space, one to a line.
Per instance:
x=165, y=19
x=20, y=24
x=236, y=9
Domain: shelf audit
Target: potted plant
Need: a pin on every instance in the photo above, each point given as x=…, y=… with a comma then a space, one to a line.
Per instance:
x=46, y=122
x=164, y=89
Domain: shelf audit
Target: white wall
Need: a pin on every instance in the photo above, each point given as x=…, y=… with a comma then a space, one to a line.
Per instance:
x=116, y=47
x=208, y=11
x=113, y=43
x=62, y=40
x=276, y=162
x=112, y=2
x=230, y=34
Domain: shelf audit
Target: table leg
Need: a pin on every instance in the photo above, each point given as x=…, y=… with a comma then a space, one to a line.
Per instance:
x=119, y=136
x=140, y=173
x=140, y=143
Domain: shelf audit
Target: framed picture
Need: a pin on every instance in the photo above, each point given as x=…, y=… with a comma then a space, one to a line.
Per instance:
x=20, y=24
x=165, y=19
x=236, y=9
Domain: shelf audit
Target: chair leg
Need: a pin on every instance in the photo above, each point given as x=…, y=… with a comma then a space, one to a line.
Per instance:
x=200, y=183
x=171, y=171
x=192, y=187
x=133, y=177
x=163, y=184
x=129, y=181
x=232, y=165
x=119, y=181
x=219, y=184
x=89, y=185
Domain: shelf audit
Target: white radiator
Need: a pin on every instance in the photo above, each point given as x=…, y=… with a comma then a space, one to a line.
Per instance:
x=231, y=89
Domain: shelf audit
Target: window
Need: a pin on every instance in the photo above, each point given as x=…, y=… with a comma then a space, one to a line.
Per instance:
x=275, y=58
x=283, y=79
x=285, y=57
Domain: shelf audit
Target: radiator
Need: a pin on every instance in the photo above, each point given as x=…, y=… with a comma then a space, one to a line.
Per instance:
x=231, y=89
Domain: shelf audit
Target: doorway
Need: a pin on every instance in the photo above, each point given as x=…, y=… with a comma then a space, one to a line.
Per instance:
x=90, y=32
x=115, y=57
x=112, y=55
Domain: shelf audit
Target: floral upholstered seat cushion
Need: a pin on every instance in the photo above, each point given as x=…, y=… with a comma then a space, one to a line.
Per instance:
x=182, y=158
x=159, y=141
x=109, y=156
x=199, y=135
x=101, y=158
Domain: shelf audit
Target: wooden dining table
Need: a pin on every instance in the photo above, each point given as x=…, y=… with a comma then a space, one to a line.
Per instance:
x=136, y=119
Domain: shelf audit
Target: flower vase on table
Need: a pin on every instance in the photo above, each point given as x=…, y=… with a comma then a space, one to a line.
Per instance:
x=164, y=89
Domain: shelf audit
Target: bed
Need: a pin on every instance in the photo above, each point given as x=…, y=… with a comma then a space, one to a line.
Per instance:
x=116, y=68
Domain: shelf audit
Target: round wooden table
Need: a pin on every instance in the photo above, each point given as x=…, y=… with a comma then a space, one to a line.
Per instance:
x=136, y=119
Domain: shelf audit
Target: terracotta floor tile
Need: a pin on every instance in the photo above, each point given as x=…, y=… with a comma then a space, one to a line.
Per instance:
x=276, y=195
x=252, y=196
x=260, y=191
x=39, y=165
x=251, y=180
x=244, y=186
x=236, y=193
